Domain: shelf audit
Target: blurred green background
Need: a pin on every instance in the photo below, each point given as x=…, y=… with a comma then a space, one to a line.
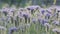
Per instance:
x=23, y=3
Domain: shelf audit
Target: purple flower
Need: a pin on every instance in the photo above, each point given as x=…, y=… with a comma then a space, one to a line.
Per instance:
x=47, y=16
x=30, y=8
x=33, y=7
x=43, y=21
x=43, y=11
x=25, y=15
x=5, y=11
x=12, y=29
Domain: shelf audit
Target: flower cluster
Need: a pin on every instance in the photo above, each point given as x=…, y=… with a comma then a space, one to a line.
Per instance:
x=30, y=15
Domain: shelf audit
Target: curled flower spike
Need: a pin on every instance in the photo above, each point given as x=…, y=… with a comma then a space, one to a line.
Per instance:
x=57, y=30
x=47, y=24
x=33, y=7
x=56, y=22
